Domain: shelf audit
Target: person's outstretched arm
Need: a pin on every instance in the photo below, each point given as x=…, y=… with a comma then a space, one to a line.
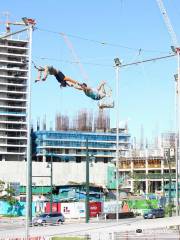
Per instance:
x=73, y=83
x=70, y=80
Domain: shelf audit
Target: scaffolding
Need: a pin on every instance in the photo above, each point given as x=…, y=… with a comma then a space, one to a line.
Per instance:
x=83, y=121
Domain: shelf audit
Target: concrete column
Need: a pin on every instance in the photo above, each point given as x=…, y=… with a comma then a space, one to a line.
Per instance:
x=44, y=158
x=132, y=182
x=146, y=163
x=147, y=190
x=162, y=172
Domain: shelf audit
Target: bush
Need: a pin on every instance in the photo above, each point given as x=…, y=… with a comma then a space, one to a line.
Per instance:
x=9, y=215
x=169, y=209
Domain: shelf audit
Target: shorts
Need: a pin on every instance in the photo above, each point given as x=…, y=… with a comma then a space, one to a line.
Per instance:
x=60, y=78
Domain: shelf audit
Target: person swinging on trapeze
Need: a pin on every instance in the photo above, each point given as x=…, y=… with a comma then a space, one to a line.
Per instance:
x=43, y=73
x=95, y=94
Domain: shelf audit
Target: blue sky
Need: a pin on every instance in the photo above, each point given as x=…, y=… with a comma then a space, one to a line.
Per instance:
x=125, y=26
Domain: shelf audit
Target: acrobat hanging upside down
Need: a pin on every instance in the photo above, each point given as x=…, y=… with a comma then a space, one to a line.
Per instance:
x=95, y=94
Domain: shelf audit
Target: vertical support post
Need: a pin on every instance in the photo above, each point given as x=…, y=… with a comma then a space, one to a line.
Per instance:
x=30, y=181
x=177, y=131
x=51, y=176
x=170, y=181
x=117, y=66
x=28, y=157
x=162, y=178
x=87, y=182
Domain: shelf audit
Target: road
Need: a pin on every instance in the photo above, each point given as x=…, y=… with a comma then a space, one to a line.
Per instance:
x=104, y=230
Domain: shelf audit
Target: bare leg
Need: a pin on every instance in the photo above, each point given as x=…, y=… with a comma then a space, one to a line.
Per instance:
x=53, y=71
x=39, y=76
x=46, y=72
x=40, y=70
x=102, y=90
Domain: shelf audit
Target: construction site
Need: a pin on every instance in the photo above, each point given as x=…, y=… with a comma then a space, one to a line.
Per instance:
x=92, y=152
x=84, y=121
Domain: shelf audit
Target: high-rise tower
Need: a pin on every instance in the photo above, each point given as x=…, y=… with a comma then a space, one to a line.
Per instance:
x=13, y=96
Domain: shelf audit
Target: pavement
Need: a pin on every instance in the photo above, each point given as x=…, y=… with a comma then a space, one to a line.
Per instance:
x=97, y=230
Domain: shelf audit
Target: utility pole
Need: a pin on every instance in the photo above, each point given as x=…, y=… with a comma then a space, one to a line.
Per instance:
x=87, y=182
x=29, y=159
x=30, y=26
x=51, y=176
x=176, y=49
x=167, y=156
x=29, y=173
x=117, y=67
x=29, y=23
x=178, y=134
x=177, y=105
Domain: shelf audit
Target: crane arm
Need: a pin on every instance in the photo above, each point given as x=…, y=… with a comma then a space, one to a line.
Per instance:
x=168, y=23
x=75, y=57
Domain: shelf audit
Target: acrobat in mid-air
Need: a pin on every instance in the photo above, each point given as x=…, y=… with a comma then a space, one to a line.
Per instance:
x=95, y=94
x=43, y=73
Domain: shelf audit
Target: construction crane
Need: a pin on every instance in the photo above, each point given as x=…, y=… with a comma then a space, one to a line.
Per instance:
x=75, y=57
x=169, y=26
x=8, y=23
x=176, y=50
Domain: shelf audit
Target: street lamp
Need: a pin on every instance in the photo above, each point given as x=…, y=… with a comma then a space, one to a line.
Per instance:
x=117, y=67
x=28, y=151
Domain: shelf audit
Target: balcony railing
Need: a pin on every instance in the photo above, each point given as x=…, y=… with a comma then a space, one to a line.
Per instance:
x=137, y=176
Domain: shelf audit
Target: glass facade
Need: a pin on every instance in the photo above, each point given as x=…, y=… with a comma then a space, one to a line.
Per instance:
x=72, y=145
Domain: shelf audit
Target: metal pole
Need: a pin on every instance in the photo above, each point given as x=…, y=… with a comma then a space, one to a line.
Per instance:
x=30, y=180
x=170, y=180
x=11, y=34
x=169, y=166
x=28, y=166
x=117, y=64
x=177, y=132
x=51, y=176
x=87, y=182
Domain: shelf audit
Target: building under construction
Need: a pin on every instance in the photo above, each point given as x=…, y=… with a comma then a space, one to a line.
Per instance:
x=14, y=54
x=150, y=169
x=84, y=121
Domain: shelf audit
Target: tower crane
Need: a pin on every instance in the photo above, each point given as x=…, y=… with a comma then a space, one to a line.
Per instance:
x=176, y=49
x=8, y=23
x=74, y=55
x=169, y=26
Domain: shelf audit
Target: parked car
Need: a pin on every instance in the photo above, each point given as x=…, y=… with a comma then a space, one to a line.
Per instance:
x=154, y=213
x=48, y=218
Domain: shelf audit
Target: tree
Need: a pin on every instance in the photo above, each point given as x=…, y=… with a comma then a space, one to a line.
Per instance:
x=137, y=182
x=7, y=193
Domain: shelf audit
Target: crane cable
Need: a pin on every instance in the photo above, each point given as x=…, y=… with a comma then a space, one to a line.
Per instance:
x=147, y=60
x=105, y=65
x=103, y=43
x=75, y=57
